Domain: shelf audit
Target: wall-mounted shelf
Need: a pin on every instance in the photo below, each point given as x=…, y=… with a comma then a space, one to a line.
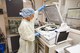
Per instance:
x=73, y=13
x=73, y=18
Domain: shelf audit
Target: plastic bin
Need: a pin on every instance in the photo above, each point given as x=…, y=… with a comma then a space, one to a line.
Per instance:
x=2, y=48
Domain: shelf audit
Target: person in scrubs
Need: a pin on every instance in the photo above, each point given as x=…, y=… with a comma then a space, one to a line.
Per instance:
x=26, y=29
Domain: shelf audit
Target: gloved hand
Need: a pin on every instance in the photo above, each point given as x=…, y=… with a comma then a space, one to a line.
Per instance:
x=41, y=8
x=37, y=34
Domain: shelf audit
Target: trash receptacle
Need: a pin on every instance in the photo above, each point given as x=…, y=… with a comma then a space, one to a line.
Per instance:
x=2, y=48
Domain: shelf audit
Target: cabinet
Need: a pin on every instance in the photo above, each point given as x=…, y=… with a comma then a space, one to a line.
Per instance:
x=13, y=43
x=13, y=25
x=43, y=47
x=14, y=7
x=13, y=35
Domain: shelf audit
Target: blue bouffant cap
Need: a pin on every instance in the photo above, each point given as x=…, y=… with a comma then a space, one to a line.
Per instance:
x=26, y=12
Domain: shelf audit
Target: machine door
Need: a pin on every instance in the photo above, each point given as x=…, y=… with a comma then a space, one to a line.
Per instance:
x=52, y=14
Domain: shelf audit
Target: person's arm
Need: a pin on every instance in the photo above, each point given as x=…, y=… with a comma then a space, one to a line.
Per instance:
x=37, y=11
x=35, y=15
x=41, y=8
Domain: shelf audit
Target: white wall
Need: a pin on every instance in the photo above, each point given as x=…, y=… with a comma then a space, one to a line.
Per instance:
x=0, y=4
x=2, y=24
x=27, y=4
x=38, y=3
x=2, y=20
